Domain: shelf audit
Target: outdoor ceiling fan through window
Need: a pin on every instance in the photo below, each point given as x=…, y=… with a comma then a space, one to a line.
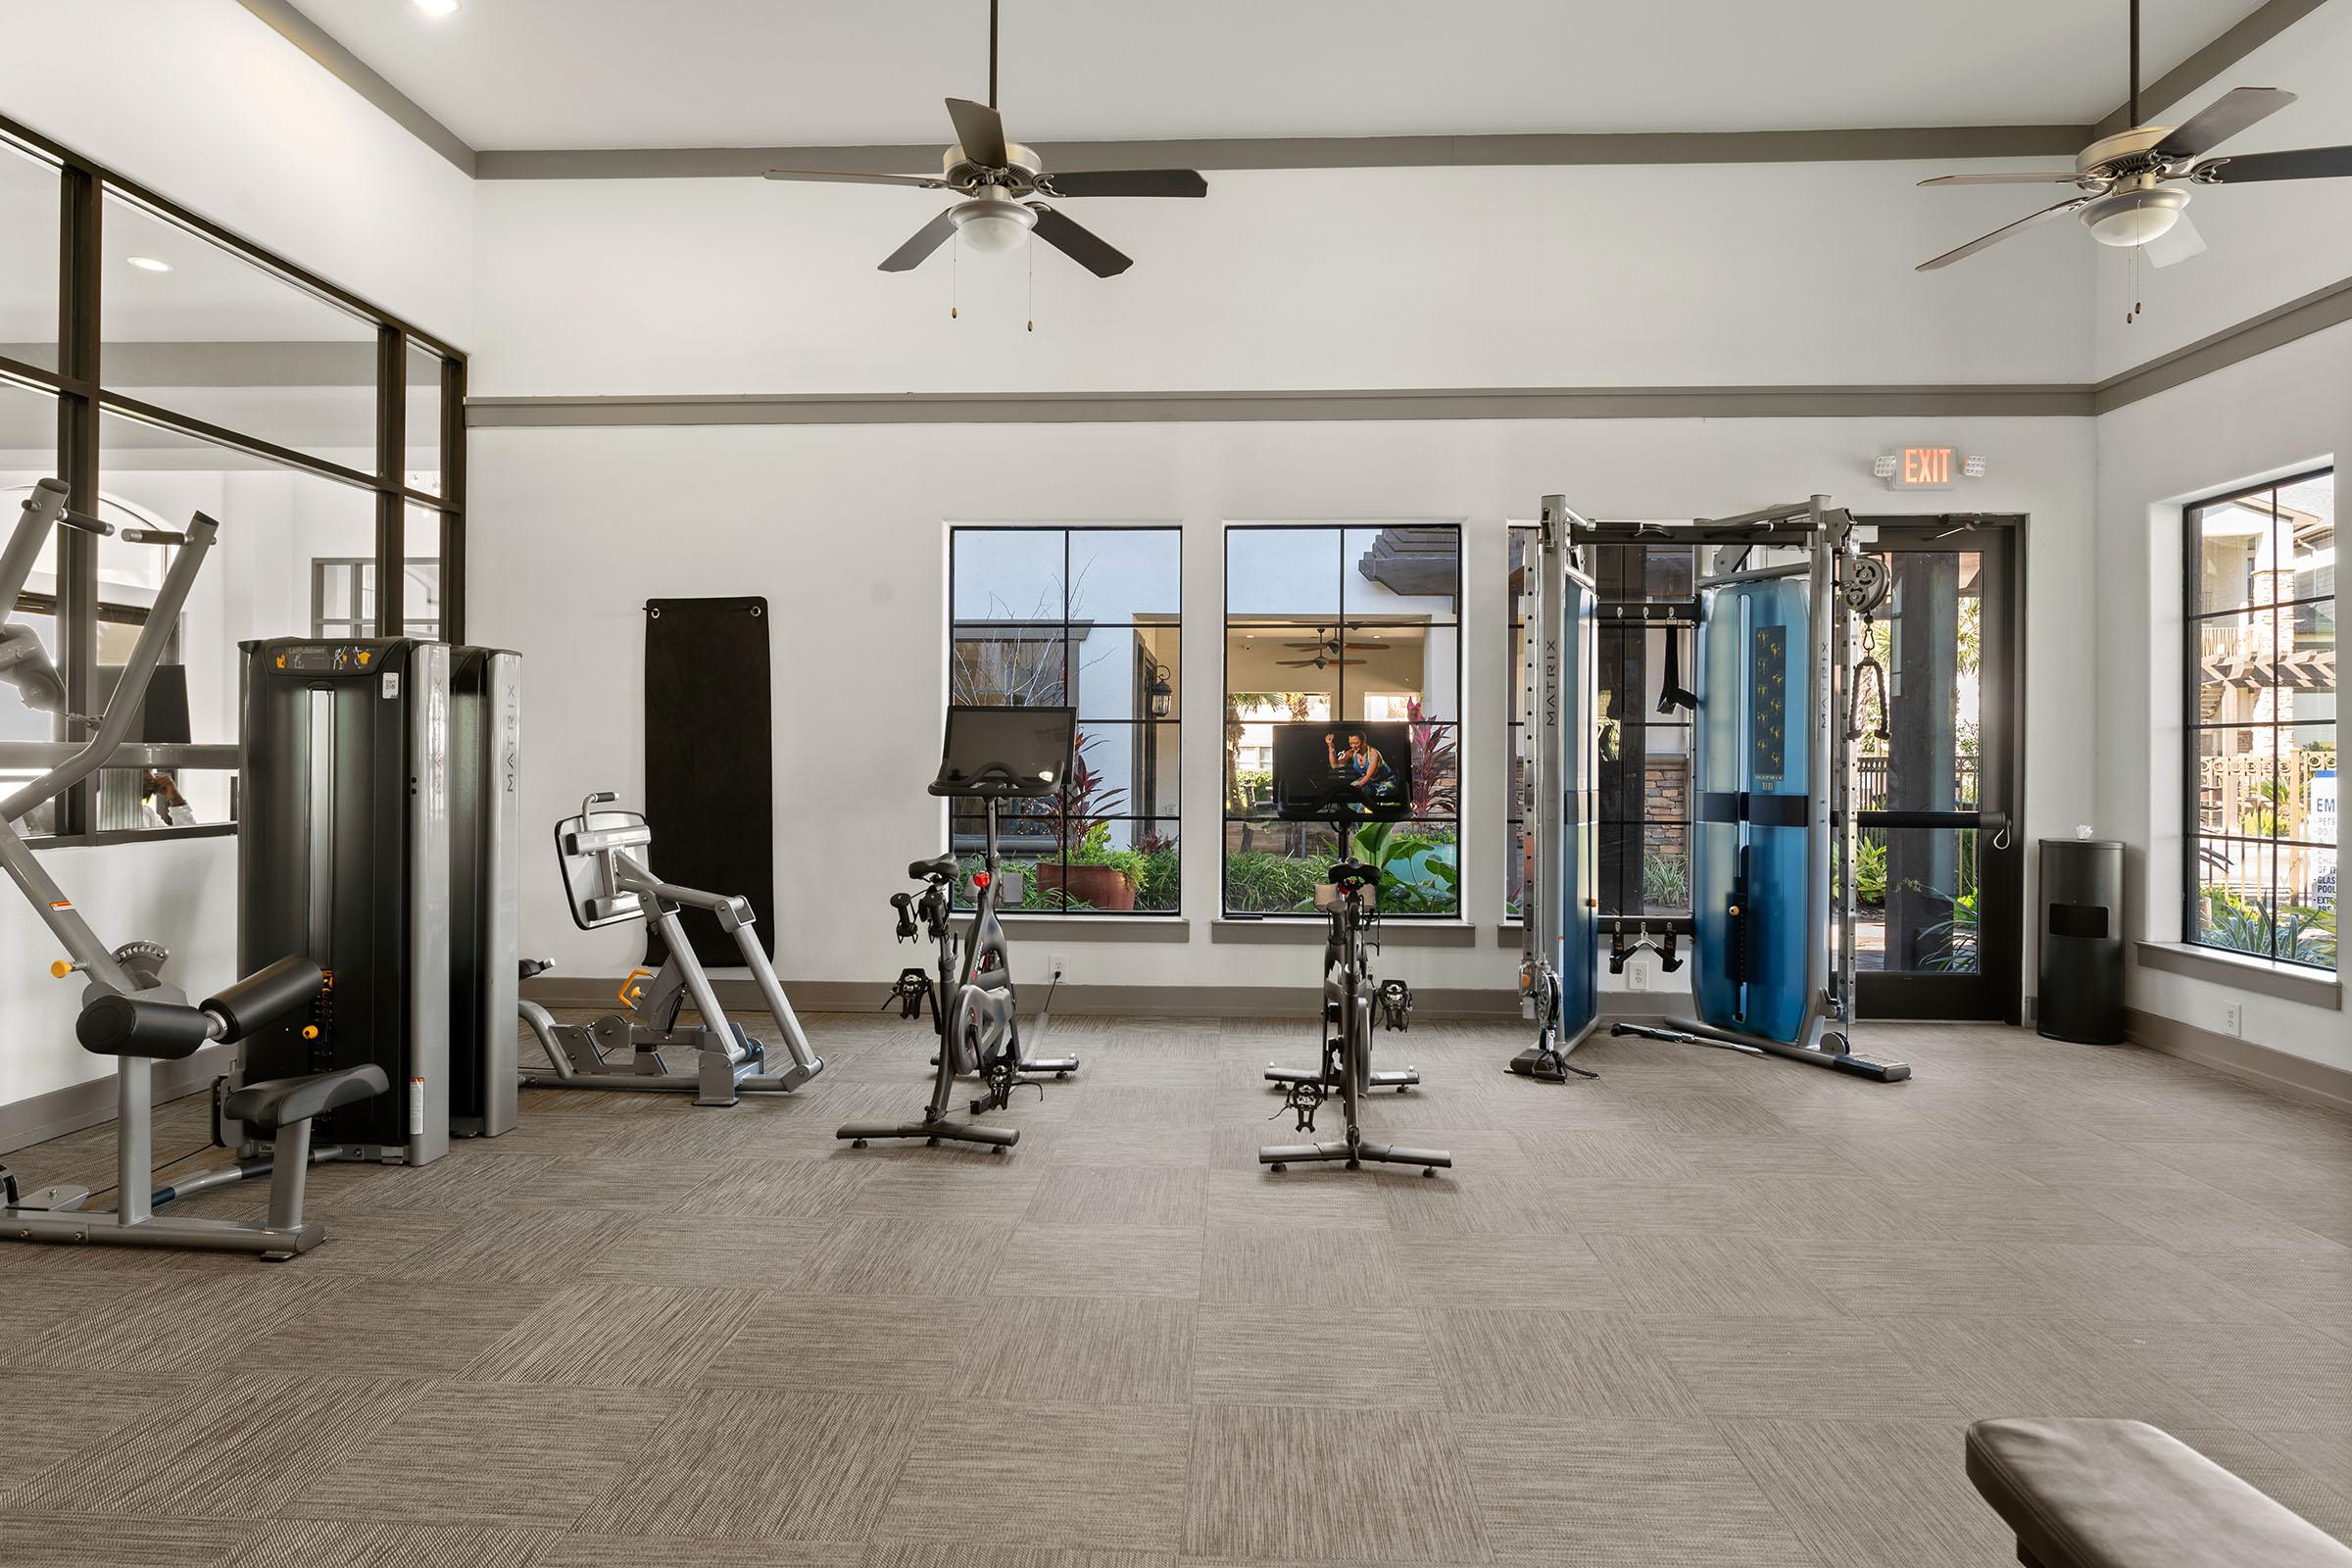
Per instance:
x=999, y=181
x=2131, y=181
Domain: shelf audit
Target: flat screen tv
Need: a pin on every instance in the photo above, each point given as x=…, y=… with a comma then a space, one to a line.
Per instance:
x=1343, y=770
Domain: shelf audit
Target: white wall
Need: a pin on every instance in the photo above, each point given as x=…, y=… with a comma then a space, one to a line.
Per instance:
x=202, y=102
x=2280, y=412
x=844, y=530
x=1750, y=275
x=2267, y=243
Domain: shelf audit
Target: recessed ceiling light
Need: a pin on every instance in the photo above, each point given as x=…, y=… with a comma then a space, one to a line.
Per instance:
x=148, y=264
x=437, y=8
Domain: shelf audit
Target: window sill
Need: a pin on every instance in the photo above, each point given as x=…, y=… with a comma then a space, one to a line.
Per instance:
x=1100, y=927
x=2313, y=988
x=1305, y=930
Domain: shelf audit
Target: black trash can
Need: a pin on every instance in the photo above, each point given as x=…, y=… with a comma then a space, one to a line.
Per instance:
x=2082, y=986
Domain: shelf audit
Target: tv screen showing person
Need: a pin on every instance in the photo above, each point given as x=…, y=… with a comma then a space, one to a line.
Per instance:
x=1343, y=770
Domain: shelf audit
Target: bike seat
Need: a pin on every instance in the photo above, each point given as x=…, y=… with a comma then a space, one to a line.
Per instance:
x=1353, y=874
x=939, y=869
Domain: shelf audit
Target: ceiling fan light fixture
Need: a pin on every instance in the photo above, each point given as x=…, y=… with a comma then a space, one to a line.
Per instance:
x=2126, y=218
x=991, y=225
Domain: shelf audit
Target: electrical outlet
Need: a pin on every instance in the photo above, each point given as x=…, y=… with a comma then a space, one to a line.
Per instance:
x=1637, y=974
x=2233, y=1020
x=1056, y=965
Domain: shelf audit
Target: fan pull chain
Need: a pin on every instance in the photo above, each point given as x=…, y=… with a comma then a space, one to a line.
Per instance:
x=1030, y=251
x=954, y=276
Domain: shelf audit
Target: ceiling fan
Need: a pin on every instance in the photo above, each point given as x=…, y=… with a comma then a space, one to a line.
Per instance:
x=997, y=180
x=2131, y=182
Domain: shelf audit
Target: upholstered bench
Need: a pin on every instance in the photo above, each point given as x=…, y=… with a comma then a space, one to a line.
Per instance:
x=2084, y=1493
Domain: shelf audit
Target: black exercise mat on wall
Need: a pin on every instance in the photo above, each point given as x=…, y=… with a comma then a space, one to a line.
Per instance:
x=709, y=788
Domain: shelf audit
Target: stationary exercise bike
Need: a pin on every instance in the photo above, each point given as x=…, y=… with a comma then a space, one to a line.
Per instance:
x=990, y=755
x=1352, y=998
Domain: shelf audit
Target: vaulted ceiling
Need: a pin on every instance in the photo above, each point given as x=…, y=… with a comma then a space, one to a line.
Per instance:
x=554, y=73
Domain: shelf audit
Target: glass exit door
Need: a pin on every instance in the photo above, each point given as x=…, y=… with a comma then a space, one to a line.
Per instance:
x=1939, y=863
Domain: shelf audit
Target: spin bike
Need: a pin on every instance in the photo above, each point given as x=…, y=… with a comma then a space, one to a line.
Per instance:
x=1351, y=997
x=990, y=755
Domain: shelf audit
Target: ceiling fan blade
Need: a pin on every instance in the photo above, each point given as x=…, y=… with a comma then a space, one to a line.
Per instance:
x=978, y=131
x=1079, y=243
x=2303, y=162
x=1997, y=235
x=2003, y=179
x=928, y=239
x=1125, y=182
x=2222, y=119
x=2175, y=244
x=824, y=177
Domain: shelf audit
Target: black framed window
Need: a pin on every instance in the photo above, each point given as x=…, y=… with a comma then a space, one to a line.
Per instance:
x=1090, y=618
x=343, y=597
x=162, y=366
x=2262, y=781
x=1332, y=621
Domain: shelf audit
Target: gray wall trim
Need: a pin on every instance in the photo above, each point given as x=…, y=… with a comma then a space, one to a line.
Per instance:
x=1307, y=931
x=1911, y=142
x=810, y=997
x=2292, y=1077
x=2310, y=988
x=1179, y=408
x=2314, y=311
x=2208, y=63
x=78, y=1105
x=140, y=366
x=1104, y=928
x=356, y=74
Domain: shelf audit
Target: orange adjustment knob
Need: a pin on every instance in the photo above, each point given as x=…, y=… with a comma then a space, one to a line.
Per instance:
x=310, y=1031
x=364, y=655
x=281, y=661
x=60, y=969
x=1734, y=909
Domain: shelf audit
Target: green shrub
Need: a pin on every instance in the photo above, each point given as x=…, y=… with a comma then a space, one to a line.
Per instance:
x=1258, y=883
x=1665, y=882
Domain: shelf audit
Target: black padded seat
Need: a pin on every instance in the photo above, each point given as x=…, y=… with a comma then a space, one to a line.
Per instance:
x=2094, y=1494
x=283, y=1101
x=941, y=866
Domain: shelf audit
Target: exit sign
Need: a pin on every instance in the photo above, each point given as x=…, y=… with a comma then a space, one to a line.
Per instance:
x=1923, y=469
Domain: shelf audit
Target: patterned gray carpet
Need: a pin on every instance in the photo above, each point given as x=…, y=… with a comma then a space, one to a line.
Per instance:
x=1705, y=1310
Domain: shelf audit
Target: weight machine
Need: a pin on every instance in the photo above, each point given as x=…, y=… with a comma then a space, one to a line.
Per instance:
x=1559, y=982
x=608, y=882
x=1773, y=784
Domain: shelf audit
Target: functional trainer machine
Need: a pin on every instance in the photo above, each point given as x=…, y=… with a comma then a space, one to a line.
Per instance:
x=367, y=846
x=990, y=755
x=608, y=882
x=1773, y=946
x=1559, y=979
x=128, y=1010
x=1350, y=998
